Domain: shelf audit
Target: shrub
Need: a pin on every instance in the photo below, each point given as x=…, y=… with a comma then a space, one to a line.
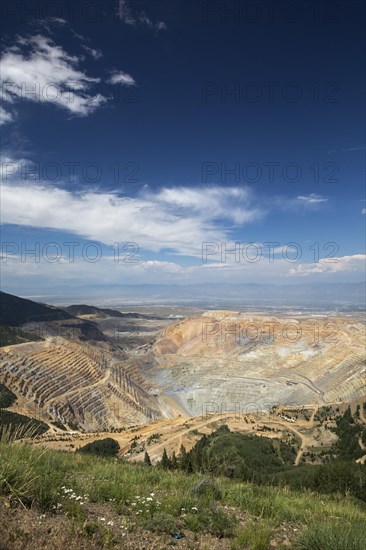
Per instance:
x=161, y=523
x=212, y=520
x=207, y=488
x=101, y=447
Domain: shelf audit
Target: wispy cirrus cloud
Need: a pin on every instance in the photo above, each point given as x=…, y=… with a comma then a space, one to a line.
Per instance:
x=132, y=17
x=36, y=69
x=47, y=23
x=349, y=149
x=299, y=203
x=311, y=199
x=234, y=204
x=156, y=221
x=94, y=52
x=5, y=116
x=120, y=77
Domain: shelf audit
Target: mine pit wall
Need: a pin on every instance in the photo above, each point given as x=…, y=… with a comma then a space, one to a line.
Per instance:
x=76, y=385
x=316, y=369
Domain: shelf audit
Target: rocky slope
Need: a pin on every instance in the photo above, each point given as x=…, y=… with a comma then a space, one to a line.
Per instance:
x=225, y=360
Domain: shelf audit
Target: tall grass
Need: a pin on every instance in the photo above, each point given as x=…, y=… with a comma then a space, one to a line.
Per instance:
x=333, y=536
x=31, y=476
x=256, y=536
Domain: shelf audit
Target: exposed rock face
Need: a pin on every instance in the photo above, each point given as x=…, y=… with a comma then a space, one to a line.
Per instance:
x=77, y=384
x=228, y=361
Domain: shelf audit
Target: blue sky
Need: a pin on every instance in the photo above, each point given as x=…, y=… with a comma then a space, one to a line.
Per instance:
x=173, y=124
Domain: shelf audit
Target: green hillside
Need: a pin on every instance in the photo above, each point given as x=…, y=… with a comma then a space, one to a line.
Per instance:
x=55, y=499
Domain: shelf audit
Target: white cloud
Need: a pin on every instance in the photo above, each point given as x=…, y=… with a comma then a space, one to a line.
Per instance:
x=95, y=53
x=48, y=22
x=356, y=262
x=126, y=15
x=11, y=168
x=46, y=73
x=59, y=20
x=234, y=204
x=311, y=199
x=109, y=271
x=298, y=203
x=5, y=116
x=154, y=222
x=119, y=77
x=363, y=211
x=157, y=266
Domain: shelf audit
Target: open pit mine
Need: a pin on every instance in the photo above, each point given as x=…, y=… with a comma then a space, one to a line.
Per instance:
x=216, y=361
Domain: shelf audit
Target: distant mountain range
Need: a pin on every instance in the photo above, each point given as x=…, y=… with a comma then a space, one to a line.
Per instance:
x=213, y=294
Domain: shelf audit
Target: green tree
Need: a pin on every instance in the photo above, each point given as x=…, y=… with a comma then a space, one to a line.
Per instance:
x=174, y=462
x=147, y=460
x=184, y=461
x=165, y=460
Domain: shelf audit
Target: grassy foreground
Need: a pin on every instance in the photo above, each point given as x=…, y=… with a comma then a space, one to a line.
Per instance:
x=49, y=499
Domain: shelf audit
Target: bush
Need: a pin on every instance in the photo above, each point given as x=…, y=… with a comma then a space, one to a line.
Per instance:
x=102, y=447
x=207, y=488
x=161, y=523
x=212, y=520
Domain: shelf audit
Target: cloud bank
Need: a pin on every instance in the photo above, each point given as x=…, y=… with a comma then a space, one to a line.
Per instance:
x=175, y=219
